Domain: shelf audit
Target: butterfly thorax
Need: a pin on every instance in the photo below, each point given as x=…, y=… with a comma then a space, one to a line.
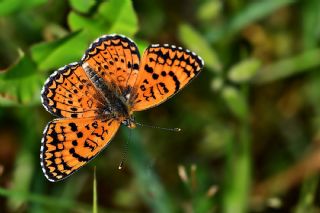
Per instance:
x=115, y=104
x=120, y=110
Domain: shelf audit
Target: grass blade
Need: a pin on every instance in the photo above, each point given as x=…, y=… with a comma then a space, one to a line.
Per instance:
x=288, y=67
x=95, y=195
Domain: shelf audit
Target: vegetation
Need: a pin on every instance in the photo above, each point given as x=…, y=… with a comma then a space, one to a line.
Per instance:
x=250, y=122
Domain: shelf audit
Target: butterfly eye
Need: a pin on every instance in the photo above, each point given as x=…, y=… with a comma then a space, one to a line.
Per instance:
x=125, y=122
x=106, y=111
x=129, y=122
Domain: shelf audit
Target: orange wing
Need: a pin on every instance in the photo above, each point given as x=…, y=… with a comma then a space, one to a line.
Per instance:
x=68, y=144
x=69, y=93
x=115, y=58
x=164, y=71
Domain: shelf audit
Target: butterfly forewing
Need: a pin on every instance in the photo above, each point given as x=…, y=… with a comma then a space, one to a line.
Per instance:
x=93, y=97
x=116, y=60
x=164, y=70
x=69, y=93
x=68, y=144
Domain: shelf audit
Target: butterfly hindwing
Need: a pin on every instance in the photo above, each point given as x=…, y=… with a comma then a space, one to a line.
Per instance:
x=164, y=70
x=115, y=59
x=69, y=93
x=68, y=144
x=93, y=97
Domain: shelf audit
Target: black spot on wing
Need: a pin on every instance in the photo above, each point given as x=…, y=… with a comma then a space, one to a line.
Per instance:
x=73, y=127
x=176, y=81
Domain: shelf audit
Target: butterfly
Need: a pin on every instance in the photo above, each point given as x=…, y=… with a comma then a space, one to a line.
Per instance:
x=94, y=96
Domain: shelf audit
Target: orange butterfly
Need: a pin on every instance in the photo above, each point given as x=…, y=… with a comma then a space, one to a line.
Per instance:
x=92, y=97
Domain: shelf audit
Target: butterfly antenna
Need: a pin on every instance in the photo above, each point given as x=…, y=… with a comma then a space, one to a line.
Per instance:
x=157, y=127
x=125, y=151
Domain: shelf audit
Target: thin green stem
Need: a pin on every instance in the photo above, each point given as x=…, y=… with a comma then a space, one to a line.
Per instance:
x=95, y=195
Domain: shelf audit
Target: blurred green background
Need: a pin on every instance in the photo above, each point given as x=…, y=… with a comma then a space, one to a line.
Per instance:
x=251, y=120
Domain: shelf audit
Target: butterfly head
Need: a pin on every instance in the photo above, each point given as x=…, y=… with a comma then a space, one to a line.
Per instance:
x=129, y=122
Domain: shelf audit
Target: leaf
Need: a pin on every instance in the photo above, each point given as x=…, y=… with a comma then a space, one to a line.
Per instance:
x=195, y=42
x=142, y=45
x=209, y=10
x=310, y=19
x=82, y=6
x=8, y=7
x=78, y=22
x=122, y=21
x=235, y=101
x=253, y=12
x=217, y=83
x=52, y=55
x=20, y=85
x=244, y=70
x=288, y=67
